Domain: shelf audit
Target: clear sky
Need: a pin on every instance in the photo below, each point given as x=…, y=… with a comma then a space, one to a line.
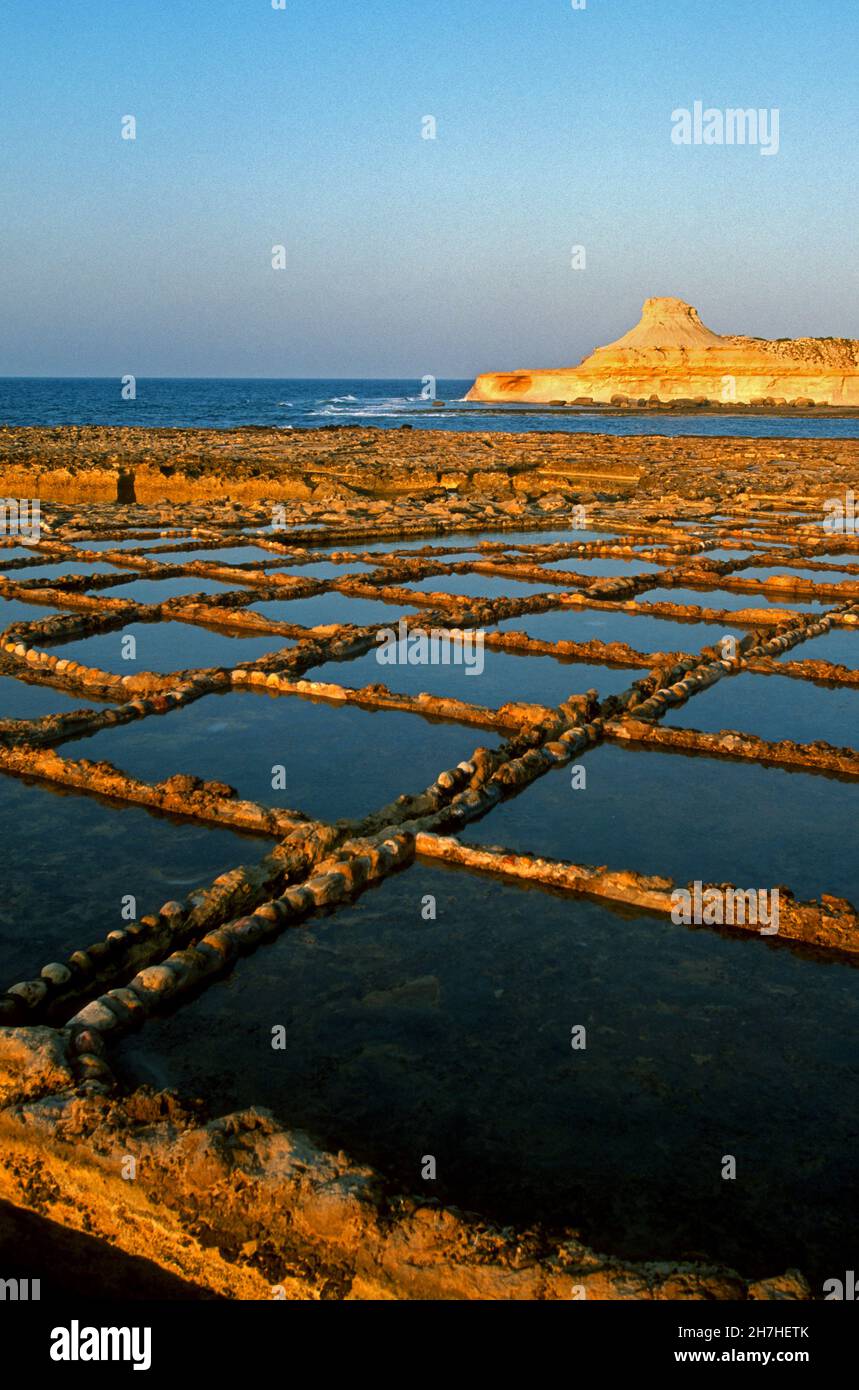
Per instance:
x=407, y=256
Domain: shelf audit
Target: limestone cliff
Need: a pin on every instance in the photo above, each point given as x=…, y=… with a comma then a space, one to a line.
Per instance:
x=671, y=355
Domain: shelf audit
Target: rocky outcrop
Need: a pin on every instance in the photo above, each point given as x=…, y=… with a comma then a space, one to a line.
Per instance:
x=672, y=356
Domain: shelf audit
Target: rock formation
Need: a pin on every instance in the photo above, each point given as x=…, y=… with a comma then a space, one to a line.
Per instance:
x=670, y=355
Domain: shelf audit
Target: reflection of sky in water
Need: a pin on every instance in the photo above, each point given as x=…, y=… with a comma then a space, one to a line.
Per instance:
x=840, y=646
x=504, y=677
x=55, y=571
x=638, y=631
x=728, y=599
x=159, y=590
x=325, y=569
x=322, y=609
x=21, y=700
x=224, y=555
x=168, y=647
x=12, y=610
x=604, y=565
x=339, y=761
x=795, y=571
x=147, y=543
x=482, y=586
x=773, y=707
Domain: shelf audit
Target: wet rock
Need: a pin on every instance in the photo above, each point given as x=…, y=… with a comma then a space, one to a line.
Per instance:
x=95, y=1015
x=156, y=979
x=30, y=992
x=56, y=974
x=88, y=1040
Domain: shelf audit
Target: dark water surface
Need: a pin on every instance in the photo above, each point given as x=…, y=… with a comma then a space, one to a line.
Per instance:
x=407, y=1037
x=689, y=817
x=69, y=860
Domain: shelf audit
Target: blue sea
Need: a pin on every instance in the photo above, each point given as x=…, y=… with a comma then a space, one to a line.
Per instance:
x=225, y=403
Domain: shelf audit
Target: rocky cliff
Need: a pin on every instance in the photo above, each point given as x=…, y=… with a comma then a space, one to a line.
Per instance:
x=671, y=355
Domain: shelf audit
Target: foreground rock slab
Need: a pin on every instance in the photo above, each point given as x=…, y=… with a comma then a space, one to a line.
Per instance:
x=240, y=1208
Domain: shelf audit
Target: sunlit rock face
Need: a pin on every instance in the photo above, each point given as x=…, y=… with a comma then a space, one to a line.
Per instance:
x=671, y=355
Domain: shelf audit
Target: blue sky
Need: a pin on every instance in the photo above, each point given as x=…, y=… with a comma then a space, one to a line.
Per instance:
x=406, y=256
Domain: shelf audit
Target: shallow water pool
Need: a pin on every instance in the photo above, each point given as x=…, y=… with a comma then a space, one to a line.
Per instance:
x=337, y=760
x=167, y=646
x=451, y=1038
x=70, y=859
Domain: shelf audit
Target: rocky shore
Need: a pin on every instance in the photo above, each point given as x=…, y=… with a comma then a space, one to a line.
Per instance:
x=365, y=469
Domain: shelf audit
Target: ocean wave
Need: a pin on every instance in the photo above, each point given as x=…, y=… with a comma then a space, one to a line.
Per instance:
x=369, y=413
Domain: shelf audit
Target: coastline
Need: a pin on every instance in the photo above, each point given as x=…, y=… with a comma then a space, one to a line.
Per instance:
x=110, y=463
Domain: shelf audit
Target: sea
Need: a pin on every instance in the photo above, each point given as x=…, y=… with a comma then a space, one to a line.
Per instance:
x=304, y=403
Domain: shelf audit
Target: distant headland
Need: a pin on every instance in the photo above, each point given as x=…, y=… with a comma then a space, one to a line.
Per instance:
x=672, y=356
